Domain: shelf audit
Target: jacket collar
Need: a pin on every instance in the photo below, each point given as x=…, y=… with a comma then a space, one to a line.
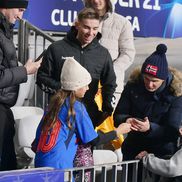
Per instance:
x=6, y=26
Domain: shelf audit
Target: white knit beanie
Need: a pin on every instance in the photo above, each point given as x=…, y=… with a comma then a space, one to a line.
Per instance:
x=73, y=75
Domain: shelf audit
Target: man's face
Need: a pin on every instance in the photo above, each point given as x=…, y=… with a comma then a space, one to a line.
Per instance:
x=14, y=14
x=152, y=83
x=99, y=5
x=87, y=30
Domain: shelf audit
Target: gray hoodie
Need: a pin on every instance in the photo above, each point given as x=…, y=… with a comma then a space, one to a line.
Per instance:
x=162, y=167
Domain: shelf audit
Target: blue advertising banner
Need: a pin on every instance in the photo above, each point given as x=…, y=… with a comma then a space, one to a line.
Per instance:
x=149, y=18
x=156, y=18
x=32, y=176
x=53, y=15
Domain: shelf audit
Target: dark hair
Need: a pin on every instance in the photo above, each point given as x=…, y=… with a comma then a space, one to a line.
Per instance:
x=88, y=13
x=109, y=6
x=56, y=102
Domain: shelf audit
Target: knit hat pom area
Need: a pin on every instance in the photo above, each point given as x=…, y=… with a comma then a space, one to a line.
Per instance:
x=161, y=49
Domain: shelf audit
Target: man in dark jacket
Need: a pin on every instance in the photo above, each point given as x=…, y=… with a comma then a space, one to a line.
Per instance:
x=10, y=77
x=82, y=43
x=152, y=103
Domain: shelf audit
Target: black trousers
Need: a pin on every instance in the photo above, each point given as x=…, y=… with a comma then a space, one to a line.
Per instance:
x=7, y=131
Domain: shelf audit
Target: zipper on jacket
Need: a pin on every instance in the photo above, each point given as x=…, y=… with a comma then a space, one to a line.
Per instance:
x=81, y=58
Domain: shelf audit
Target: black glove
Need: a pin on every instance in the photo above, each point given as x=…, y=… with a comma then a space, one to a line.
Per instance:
x=107, y=108
x=107, y=105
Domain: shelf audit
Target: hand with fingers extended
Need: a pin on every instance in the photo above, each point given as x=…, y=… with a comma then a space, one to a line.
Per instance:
x=123, y=128
x=32, y=67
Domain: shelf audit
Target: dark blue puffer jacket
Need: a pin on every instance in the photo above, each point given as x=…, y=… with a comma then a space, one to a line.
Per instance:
x=163, y=108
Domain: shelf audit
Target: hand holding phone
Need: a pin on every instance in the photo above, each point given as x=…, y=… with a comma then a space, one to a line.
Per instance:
x=140, y=119
x=141, y=125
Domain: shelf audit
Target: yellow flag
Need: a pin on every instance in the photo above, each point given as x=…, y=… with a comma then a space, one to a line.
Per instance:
x=108, y=124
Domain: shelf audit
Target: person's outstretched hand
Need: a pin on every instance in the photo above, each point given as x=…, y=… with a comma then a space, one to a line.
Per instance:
x=32, y=67
x=141, y=155
x=123, y=128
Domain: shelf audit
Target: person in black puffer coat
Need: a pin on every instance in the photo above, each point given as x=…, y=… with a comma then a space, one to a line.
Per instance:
x=11, y=75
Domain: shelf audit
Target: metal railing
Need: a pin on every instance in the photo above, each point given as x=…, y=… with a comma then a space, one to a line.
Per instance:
x=32, y=41
x=112, y=172
x=26, y=33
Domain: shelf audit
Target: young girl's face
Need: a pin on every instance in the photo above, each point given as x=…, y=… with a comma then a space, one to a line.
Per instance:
x=81, y=91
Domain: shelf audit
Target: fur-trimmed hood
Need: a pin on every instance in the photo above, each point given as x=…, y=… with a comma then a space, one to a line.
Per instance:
x=175, y=85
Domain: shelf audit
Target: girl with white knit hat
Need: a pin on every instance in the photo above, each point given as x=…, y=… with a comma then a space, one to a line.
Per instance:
x=67, y=123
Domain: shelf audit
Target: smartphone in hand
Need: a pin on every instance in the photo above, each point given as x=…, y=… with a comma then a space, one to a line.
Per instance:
x=40, y=56
x=140, y=119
